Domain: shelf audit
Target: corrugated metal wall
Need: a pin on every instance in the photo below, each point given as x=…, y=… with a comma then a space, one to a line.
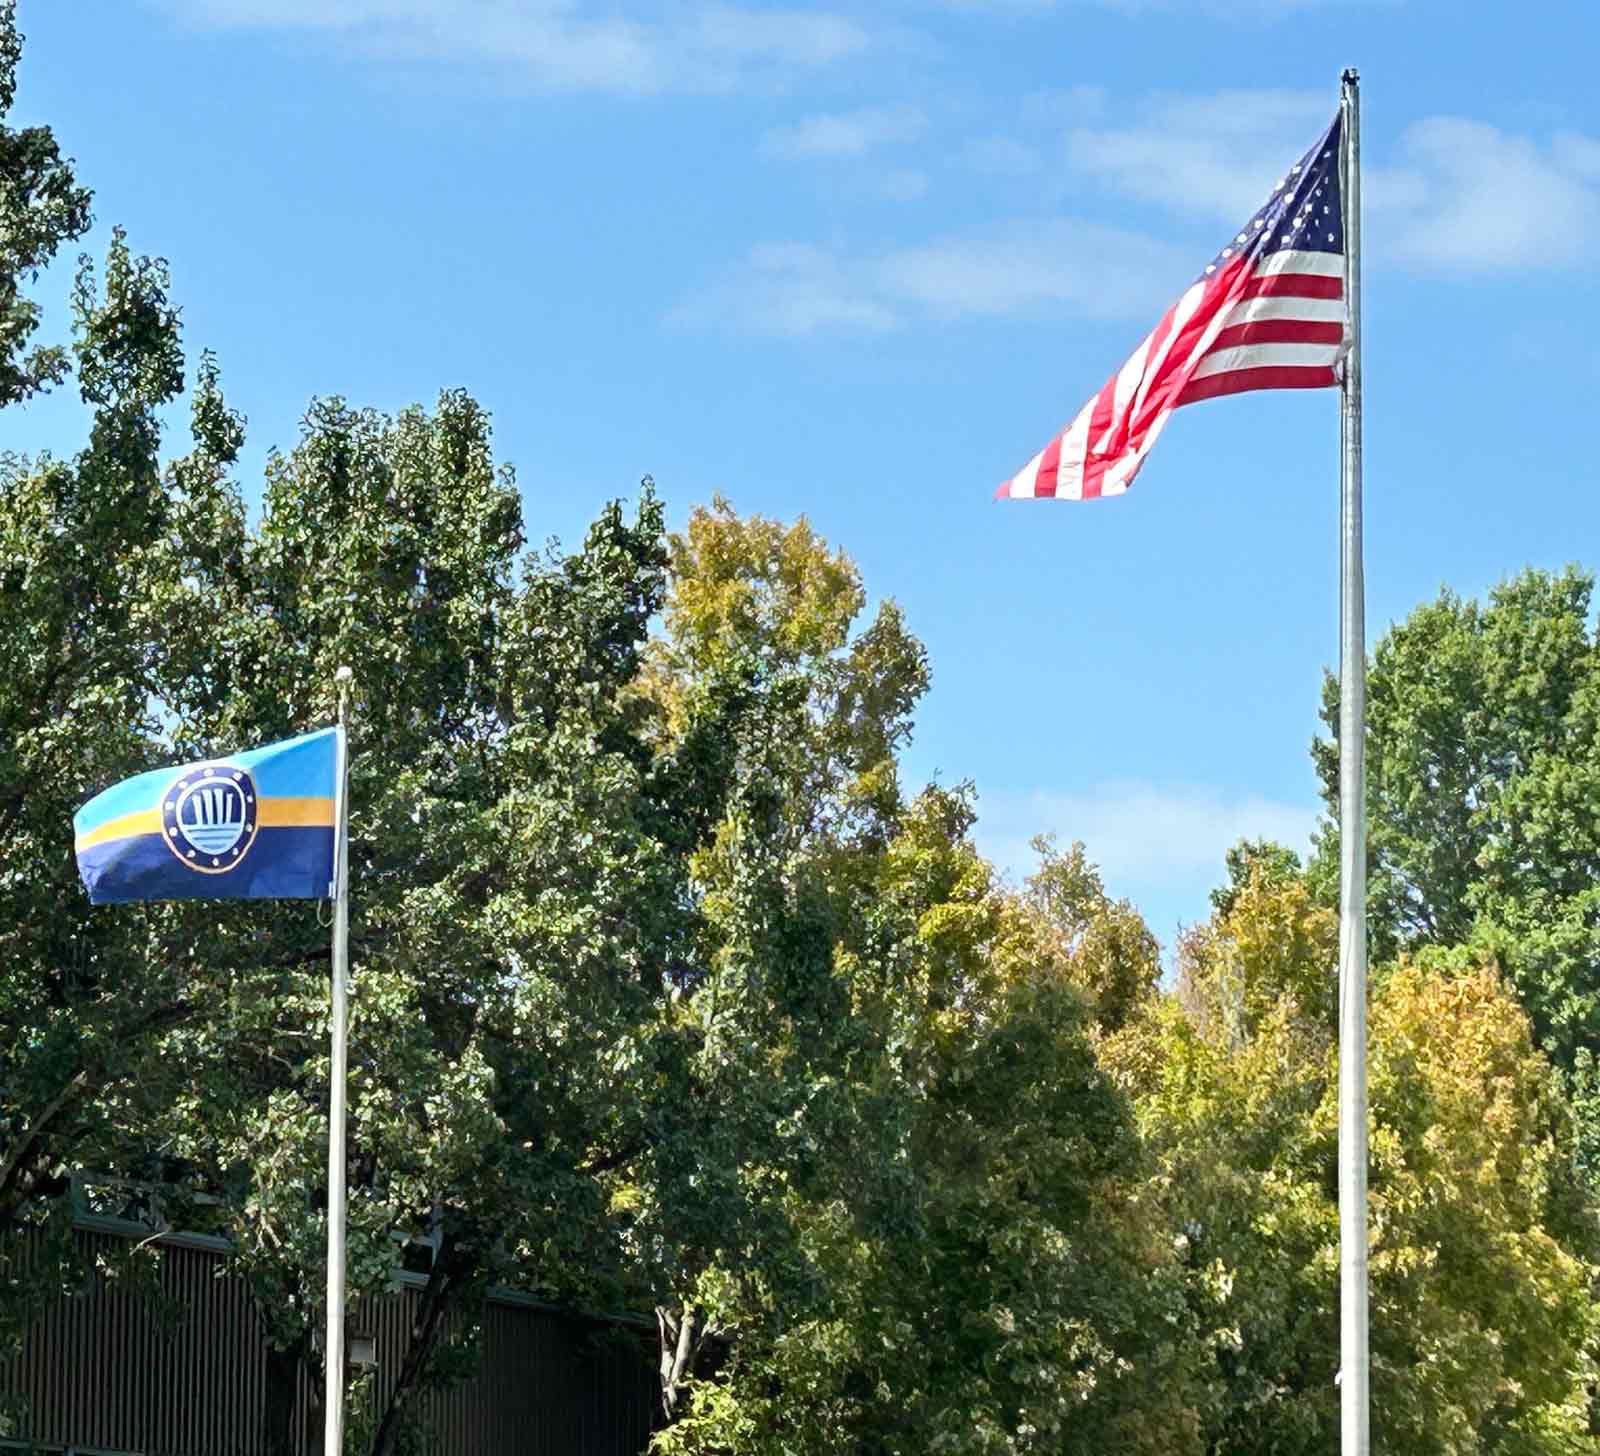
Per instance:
x=101, y=1370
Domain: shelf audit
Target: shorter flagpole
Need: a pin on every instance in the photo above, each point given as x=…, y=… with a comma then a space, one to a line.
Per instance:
x=338, y=1026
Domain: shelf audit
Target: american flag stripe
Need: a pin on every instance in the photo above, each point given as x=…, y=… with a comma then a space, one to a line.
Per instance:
x=1268, y=313
x=1239, y=381
x=1322, y=310
x=1304, y=262
x=1274, y=331
x=1294, y=285
x=1266, y=356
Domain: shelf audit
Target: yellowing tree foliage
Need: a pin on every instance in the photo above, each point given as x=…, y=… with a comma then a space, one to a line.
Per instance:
x=1482, y=1318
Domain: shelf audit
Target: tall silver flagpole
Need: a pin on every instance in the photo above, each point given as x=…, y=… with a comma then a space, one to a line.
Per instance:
x=1354, y=1406
x=333, y=1403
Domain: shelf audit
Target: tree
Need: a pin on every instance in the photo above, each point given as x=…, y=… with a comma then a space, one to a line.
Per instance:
x=935, y=1165
x=86, y=563
x=1482, y=1318
x=763, y=614
x=1483, y=728
x=1107, y=949
x=1247, y=858
x=515, y=869
x=42, y=206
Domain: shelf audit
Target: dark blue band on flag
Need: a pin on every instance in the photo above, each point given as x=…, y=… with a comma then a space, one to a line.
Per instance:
x=284, y=864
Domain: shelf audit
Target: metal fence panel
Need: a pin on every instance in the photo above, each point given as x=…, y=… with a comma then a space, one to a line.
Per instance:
x=103, y=1369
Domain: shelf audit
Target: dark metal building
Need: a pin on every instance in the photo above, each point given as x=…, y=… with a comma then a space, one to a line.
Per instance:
x=103, y=1373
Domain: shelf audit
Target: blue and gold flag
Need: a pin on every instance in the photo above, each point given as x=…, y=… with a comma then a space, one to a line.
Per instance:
x=258, y=825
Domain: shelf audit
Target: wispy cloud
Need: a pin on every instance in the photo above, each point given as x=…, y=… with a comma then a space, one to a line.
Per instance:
x=1455, y=195
x=1150, y=840
x=792, y=289
x=1066, y=267
x=905, y=185
x=1577, y=155
x=564, y=44
x=1237, y=10
x=1468, y=197
x=1002, y=156
x=846, y=134
x=1203, y=156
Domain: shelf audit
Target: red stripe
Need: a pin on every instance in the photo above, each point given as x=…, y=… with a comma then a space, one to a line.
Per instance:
x=1122, y=441
x=1276, y=376
x=1044, y=484
x=1278, y=331
x=1222, y=292
x=1293, y=285
x=1095, y=461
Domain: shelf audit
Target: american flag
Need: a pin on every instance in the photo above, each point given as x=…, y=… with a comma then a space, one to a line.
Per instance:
x=1267, y=313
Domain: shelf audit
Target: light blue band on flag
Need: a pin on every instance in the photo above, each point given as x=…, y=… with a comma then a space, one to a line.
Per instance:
x=254, y=825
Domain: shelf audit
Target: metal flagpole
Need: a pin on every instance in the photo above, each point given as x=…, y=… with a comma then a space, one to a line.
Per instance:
x=333, y=1403
x=1354, y=1407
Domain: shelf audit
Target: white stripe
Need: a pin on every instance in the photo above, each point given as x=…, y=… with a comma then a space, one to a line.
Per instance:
x=1069, y=474
x=1120, y=475
x=1304, y=310
x=1129, y=378
x=1021, y=484
x=1297, y=260
x=1267, y=356
x=1180, y=316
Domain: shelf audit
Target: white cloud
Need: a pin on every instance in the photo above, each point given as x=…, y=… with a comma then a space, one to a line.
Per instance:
x=1002, y=156
x=846, y=134
x=905, y=185
x=1468, y=197
x=1577, y=155
x=1088, y=270
x=1205, y=156
x=798, y=37
x=1150, y=840
x=564, y=44
x=1454, y=195
x=791, y=289
x=1225, y=9
x=1031, y=267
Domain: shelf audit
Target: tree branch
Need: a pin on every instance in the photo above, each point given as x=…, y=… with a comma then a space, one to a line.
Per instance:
x=28, y=1145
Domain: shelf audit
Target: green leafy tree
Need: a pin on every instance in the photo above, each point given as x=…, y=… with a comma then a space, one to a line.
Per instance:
x=1482, y=1318
x=981, y=1281
x=516, y=873
x=1105, y=945
x=42, y=206
x=763, y=615
x=86, y=563
x=1245, y=860
x=1483, y=729
x=934, y=1169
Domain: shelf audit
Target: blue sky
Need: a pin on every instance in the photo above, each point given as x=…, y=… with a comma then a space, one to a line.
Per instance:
x=859, y=262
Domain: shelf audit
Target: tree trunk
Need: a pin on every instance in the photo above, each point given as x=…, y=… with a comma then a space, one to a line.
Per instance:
x=683, y=1332
x=434, y=1309
x=282, y=1378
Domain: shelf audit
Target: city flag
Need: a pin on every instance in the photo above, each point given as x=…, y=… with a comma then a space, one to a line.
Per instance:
x=257, y=825
x=1269, y=312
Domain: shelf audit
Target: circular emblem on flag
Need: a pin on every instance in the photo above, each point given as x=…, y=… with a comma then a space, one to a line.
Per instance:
x=209, y=817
